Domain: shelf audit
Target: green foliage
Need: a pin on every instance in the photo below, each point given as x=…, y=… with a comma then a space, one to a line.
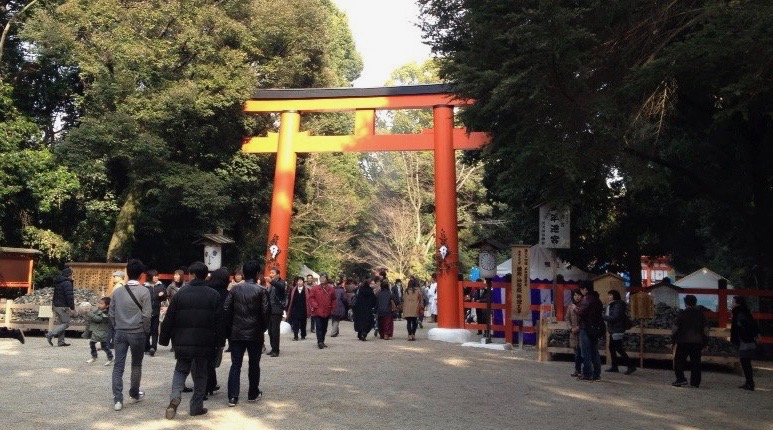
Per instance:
x=649, y=119
x=149, y=97
x=52, y=245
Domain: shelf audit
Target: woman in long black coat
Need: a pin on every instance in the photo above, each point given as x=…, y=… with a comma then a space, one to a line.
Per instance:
x=364, y=307
x=744, y=334
x=218, y=281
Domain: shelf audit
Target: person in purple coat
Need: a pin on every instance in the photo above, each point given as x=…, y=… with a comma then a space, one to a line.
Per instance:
x=340, y=304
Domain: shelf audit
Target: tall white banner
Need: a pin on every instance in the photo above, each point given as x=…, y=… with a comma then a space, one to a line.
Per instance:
x=553, y=227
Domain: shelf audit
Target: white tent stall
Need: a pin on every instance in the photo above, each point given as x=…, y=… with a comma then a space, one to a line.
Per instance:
x=701, y=278
x=540, y=267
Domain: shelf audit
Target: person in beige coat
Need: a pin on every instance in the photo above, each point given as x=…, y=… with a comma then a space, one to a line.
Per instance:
x=574, y=331
x=413, y=305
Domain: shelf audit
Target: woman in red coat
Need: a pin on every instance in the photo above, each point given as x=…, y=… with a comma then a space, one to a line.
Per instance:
x=320, y=306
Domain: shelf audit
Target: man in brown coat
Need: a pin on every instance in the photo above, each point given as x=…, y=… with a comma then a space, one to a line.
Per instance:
x=690, y=336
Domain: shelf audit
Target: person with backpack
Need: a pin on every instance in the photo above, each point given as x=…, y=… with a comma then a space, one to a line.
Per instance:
x=592, y=328
x=617, y=323
x=744, y=335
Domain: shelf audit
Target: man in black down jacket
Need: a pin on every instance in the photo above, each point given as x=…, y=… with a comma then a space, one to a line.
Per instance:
x=193, y=322
x=63, y=306
x=246, y=313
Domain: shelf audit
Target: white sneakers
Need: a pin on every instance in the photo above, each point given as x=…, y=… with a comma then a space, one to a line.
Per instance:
x=140, y=397
x=91, y=360
x=109, y=362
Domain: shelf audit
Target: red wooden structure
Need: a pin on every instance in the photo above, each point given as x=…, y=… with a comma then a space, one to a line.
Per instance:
x=443, y=139
x=16, y=267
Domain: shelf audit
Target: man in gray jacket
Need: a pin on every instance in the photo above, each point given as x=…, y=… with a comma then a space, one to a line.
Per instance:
x=130, y=314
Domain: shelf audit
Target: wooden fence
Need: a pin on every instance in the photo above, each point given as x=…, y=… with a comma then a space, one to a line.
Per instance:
x=545, y=352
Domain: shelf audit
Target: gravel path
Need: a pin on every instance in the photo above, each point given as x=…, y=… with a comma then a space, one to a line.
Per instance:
x=377, y=385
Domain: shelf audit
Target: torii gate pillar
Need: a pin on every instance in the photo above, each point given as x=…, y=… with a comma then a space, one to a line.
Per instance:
x=282, y=198
x=445, y=218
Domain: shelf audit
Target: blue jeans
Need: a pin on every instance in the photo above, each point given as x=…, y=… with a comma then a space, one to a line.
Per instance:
x=124, y=342
x=254, y=350
x=590, y=355
x=105, y=347
x=577, y=360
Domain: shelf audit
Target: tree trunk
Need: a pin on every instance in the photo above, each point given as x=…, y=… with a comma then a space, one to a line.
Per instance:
x=123, y=233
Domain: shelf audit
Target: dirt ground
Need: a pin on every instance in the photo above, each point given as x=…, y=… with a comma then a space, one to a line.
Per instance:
x=378, y=385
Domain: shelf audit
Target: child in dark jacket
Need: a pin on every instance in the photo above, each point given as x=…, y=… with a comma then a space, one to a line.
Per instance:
x=99, y=324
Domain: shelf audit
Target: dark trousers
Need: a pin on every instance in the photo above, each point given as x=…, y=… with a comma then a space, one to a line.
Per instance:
x=746, y=366
x=105, y=347
x=197, y=367
x=313, y=325
x=111, y=336
x=321, y=324
x=273, y=331
x=152, y=341
x=412, y=323
x=298, y=324
x=211, y=375
x=254, y=350
x=618, y=354
x=693, y=351
x=7, y=333
x=577, y=361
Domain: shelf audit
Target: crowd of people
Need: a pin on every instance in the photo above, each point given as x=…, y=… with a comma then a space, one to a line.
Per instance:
x=197, y=318
x=589, y=321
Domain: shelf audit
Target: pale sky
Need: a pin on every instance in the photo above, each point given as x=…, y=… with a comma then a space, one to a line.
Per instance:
x=386, y=36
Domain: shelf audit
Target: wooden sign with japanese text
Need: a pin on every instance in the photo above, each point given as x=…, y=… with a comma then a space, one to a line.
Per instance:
x=521, y=293
x=554, y=227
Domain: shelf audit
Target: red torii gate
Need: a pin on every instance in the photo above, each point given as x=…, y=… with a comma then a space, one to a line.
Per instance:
x=443, y=139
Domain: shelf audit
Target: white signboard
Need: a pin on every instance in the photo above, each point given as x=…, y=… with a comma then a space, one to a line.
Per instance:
x=553, y=227
x=213, y=256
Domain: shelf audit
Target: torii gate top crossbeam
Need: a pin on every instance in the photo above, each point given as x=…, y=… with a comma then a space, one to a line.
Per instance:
x=365, y=102
x=348, y=99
